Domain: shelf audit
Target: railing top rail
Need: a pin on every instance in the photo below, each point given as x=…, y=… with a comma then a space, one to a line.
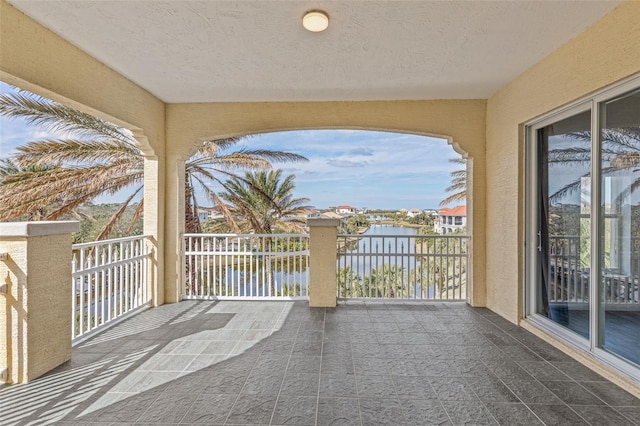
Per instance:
x=246, y=235
x=104, y=242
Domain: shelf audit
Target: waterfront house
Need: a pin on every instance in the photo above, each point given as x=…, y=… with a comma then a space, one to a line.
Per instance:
x=449, y=220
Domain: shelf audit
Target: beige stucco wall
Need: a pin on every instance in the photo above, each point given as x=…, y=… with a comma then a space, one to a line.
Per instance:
x=462, y=122
x=36, y=59
x=607, y=52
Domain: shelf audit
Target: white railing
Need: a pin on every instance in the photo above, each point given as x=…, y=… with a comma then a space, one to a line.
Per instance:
x=245, y=266
x=416, y=267
x=569, y=280
x=110, y=280
x=569, y=277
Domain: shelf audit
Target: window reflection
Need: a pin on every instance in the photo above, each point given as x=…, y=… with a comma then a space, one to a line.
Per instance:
x=564, y=151
x=619, y=298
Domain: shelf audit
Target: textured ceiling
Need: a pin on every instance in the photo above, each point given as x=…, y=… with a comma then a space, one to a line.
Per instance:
x=205, y=51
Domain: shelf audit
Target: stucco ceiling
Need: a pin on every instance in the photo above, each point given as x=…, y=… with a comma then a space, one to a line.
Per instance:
x=206, y=51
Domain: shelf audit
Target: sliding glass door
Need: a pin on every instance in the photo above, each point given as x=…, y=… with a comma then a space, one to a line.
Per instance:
x=563, y=221
x=583, y=224
x=619, y=299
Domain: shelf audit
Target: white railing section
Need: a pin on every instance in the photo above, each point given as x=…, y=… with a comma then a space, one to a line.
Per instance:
x=109, y=279
x=569, y=274
x=245, y=266
x=569, y=279
x=417, y=267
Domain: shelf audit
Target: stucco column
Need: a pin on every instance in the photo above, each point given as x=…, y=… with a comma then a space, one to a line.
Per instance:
x=35, y=304
x=154, y=225
x=323, y=238
x=174, y=228
x=476, y=219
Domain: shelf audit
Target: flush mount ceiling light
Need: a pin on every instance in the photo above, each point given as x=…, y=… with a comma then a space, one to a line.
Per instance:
x=315, y=21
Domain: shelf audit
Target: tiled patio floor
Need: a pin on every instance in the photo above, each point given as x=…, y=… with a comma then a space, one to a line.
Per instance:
x=283, y=363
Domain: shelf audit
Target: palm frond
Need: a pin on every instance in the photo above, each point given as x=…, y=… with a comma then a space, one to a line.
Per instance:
x=458, y=183
x=55, y=117
x=72, y=151
x=136, y=215
x=454, y=198
x=113, y=221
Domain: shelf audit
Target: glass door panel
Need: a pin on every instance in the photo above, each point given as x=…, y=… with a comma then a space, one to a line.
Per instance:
x=619, y=246
x=564, y=221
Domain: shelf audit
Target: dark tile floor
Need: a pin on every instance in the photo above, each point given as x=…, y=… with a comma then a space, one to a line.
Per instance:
x=283, y=363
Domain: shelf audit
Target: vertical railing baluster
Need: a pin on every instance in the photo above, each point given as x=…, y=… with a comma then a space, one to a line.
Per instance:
x=74, y=292
x=92, y=281
x=103, y=277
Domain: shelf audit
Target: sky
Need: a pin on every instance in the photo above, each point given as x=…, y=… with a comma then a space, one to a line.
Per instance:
x=377, y=170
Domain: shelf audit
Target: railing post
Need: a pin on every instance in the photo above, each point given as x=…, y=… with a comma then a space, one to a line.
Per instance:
x=323, y=238
x=35, y=307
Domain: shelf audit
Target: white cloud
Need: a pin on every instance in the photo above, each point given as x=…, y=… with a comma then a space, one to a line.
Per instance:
x=345, y=163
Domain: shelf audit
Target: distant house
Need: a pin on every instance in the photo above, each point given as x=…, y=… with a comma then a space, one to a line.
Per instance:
x=450, y=220
x=403, y=211
x=414, y=212
x=313, y=213
x=203, y=214
x=345, y=210
x=209, y=213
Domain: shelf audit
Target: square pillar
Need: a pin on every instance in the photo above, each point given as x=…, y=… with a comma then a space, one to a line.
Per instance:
x=323, y=240
x=35, y=297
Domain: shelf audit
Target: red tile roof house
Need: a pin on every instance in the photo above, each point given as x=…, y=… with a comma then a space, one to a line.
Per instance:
x=450, y=220
x=345, y=210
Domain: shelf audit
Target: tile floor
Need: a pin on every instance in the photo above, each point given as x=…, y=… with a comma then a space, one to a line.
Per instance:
x=283, y=363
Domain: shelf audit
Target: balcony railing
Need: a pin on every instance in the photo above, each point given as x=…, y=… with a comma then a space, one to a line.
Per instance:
x=245, y=266
x=569, y=278
x=418, y=267
x=110, y=280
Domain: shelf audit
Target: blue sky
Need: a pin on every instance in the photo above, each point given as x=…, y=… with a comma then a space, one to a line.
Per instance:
x=358, y=168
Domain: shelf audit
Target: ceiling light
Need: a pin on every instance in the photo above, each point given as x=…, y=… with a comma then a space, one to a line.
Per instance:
x=315, y=21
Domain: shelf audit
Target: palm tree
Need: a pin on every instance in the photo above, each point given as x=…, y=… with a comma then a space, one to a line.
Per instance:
x=263, y=202
x=458, y=184
x=50, y=178
x=620, y=148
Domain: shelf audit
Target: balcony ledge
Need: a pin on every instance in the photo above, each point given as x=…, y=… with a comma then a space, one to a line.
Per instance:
x=37, y=229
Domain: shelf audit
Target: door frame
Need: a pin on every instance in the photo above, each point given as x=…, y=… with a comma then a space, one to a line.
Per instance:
x=593, y=345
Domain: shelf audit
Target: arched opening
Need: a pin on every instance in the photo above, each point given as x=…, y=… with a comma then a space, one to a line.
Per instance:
x=373, y=182
x=383, y=169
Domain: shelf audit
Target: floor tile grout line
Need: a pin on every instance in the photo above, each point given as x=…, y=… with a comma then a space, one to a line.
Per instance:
x=355, y=375
x=273, y=413
x=528, y=404
x=324, y=325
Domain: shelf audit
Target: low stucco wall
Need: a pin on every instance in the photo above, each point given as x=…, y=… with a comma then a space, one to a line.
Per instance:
x=607, y=52
x=35, y=312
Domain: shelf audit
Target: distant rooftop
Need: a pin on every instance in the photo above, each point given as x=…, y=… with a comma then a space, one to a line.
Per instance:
x=455, y=211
